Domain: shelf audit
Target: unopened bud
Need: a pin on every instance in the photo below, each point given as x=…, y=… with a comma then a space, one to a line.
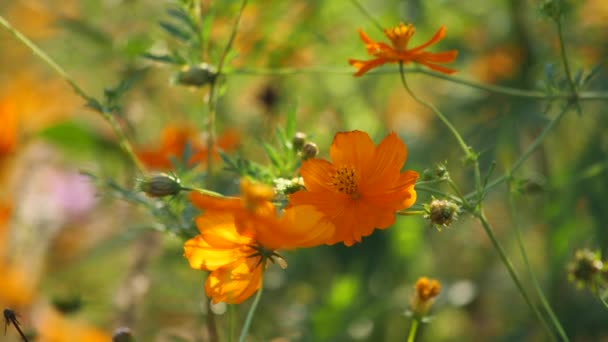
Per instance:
x=426, y=291
x=441, y=213
x=123, y=334
x=196, y=75
x=298, y=141
x=160, y=185
x=309, y=150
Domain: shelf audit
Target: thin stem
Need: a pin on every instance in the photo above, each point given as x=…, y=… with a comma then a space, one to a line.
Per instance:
x=437, y=192
x=508, y=91
x=250, y=314
x=457, y=191
x=509, y=265
x=562, y=47
x=410, y=213
x=369, y=16
x=413, y=329
x=531, y=274
x=123, y=141
x=440, y=115
x=213, y=90
x=519, y=162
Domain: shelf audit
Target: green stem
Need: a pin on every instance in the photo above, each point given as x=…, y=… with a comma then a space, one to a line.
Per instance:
x=369, y=16
x=410, y=213
x=413, y=329
x=508, y=91
x=250, y=314
x=437, y=192
x=531, y=274
x=562, y=46
x=519, y=162
x=123, y=141
x=213, y=92
x=509, y=265
x=440, y=115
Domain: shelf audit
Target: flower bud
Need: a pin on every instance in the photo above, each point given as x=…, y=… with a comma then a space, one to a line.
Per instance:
x=441, y=213
x=160, y=185
x=426, y=291
x=123, y=334
x=195, y=75
x=309, y=150
x=298, y=141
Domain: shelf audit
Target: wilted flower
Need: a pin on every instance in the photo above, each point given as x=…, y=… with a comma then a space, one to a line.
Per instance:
x=362, y=188
x=441, y=213
x=586, y=269
x=398, y=52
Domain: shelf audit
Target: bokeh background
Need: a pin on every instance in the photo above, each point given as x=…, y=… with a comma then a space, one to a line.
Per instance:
x=77, y=262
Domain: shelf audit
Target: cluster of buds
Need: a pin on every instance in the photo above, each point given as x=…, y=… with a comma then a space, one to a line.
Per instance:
x=425, y=292
x=587, y=269
x=440, y=171
x=306, y=149
x=441, y=213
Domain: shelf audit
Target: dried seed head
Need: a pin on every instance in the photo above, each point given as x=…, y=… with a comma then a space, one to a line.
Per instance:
x=123, y=334
x=585, y=267
x=310, y=150
x=298, y=141
x=441, y=213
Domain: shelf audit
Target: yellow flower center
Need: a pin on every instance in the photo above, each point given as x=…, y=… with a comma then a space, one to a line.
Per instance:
x=400, y=35
x=345, y=181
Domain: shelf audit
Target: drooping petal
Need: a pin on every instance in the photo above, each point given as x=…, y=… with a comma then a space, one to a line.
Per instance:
x=365, y=66
x=235, y=282
x=364, y=37
x=438, y=57
x=385, y=166
x=353, y=148
x=436, y=67
x=317, y=174
x=437, y=37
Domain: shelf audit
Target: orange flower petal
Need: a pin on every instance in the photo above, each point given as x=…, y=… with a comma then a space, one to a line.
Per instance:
x=236, y=282
x=365, y=66
x=317, y=174
x=439, y=68
x=439, y=57
x=354, y=148
x=437, y=37
x=218, y=229
x=206, y=202
x=389, y=157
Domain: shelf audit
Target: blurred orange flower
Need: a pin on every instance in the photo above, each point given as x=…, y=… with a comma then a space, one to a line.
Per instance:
x=239, y=236
x=52, y=326
x=400, y=37
x=173, y=142
x=362, y=188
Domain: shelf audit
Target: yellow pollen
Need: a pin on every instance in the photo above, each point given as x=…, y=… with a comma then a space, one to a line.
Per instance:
x=345, y=181
x=400, y=35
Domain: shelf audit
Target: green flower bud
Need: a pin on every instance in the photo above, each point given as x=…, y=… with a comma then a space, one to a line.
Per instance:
x=160, y=185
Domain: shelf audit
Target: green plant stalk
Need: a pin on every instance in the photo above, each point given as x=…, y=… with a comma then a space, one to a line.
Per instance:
x=413, y=329
x=463, y=145
x=511, y=269
x=532, y=275
x=519, y=162
x=211, y=113
x=410, y=213
x=438, y=193
x=564, y=56
x=251, y=313
x=502, y=90
x=122, y=139
x=369, y=16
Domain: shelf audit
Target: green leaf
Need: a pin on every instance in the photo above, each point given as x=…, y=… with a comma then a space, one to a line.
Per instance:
x=290, y=124
x=174, y=31
x=273, y=154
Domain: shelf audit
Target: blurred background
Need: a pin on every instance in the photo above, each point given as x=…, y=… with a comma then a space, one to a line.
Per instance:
x=77, y=263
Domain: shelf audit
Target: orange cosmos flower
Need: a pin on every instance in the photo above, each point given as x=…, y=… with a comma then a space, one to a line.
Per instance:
x=173, y=142
x=238, y=236
x=362, y=188
x=400, y=37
